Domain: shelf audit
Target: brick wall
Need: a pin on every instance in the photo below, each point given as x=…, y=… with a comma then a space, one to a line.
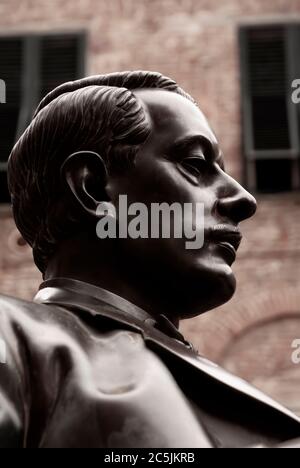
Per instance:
x=195, y=42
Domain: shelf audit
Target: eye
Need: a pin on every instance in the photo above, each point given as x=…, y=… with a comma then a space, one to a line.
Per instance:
x=196, y=165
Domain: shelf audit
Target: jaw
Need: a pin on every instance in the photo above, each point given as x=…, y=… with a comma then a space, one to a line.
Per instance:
x=204, y=291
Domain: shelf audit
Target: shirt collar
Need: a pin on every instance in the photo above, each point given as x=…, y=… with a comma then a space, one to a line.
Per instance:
x=70, y=287
x=89, y=290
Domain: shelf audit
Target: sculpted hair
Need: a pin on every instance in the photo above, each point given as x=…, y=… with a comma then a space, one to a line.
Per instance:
x=100, y=114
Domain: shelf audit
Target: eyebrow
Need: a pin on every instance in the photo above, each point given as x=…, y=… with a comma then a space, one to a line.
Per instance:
x=212, y=153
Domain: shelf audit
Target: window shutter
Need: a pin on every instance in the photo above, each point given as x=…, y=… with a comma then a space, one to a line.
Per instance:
x=270, y=123
x=32, y=66
x=11, y=70
x=267, y=76
x=61, y=60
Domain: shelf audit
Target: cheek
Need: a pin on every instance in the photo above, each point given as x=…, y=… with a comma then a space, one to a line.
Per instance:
x=170, y=186
x=161, y=182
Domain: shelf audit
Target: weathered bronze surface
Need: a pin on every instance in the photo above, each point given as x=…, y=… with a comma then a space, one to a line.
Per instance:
x=97, y=360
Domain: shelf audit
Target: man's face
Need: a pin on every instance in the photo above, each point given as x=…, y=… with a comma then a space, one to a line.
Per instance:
x=181, y=162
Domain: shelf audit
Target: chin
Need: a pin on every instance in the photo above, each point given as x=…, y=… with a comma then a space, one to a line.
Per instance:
x=225, y=283
x=209, y=289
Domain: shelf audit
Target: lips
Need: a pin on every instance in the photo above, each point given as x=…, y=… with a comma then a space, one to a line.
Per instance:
x=228, y=238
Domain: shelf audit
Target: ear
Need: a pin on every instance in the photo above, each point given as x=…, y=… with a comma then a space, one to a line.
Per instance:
x=85, y=175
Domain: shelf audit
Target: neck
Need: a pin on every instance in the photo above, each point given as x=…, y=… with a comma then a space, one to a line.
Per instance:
x=108, y=270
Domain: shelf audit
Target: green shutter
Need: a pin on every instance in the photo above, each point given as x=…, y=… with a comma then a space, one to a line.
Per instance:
x=11, y=70
x=270, y=121
x=61, y=61
x=32, y=66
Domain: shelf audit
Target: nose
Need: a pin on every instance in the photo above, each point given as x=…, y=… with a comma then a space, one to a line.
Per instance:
x=235, y=202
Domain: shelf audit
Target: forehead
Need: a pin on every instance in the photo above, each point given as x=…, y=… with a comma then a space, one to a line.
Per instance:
x=174, y=117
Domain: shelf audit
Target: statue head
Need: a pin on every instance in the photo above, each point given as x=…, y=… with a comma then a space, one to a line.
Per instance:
x=136, y=134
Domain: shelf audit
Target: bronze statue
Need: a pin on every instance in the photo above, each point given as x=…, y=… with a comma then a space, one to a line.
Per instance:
x=97, y=360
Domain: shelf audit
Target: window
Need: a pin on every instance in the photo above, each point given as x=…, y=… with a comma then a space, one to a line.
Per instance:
x=269, y=64
x=31, y=66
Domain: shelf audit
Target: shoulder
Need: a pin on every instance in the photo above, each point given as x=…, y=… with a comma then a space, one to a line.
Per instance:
x=19, y=312
x=11, y=307
x=15, y=312
x=36, y=328
x=49, y=327
x=108, y=372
